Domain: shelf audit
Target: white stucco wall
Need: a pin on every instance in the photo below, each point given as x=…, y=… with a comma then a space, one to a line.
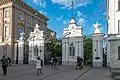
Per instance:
x=113, y=17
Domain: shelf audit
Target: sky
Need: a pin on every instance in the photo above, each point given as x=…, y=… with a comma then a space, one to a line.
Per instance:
x=86, y=13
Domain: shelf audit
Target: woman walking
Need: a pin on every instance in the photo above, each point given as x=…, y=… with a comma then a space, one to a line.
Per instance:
x=39, y=65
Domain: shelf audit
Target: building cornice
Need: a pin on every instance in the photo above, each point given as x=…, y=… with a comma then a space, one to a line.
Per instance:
x=3, y=2
x=29, y=8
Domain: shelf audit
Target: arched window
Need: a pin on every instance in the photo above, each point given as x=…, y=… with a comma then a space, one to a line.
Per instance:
x=72, y=49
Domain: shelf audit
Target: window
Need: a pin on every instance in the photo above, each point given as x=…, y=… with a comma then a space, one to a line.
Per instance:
x=118, y=5
x=72, y=49
x=20, y=16
x=118, y=26
x=19, y=31
x=5, y=31
x=29, y=30
x=29, y=20
x=6, y=13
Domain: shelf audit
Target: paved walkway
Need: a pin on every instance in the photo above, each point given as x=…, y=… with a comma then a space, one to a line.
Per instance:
x=28, y=72
x=96, y=74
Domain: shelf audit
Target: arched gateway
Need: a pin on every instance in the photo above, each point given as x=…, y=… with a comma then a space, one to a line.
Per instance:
x=27, y=53
x=72, y=43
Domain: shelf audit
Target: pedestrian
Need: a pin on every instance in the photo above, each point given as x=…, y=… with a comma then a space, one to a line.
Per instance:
x=55, y=62
x=79, y=62
x=4, y=61
x=51, y=61
x=9, y=61
x=39, y=65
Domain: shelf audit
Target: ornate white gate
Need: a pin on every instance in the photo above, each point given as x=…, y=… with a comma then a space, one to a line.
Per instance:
x=36, y=44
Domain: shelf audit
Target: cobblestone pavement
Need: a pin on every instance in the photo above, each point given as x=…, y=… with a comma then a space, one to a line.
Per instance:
x=28, y=72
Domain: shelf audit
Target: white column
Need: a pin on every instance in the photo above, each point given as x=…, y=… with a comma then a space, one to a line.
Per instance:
x=15, y=51
x=30, y=52
x=82, y=50
x=67, y=52
x=97, y=51
x=78, y=50
x=20, y=51
x=42, y=49
x=63, y=51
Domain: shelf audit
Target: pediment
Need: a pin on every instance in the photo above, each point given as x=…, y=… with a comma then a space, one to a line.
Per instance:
x=37, y=34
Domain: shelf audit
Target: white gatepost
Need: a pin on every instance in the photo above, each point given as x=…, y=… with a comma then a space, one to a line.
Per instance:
x=72, y=43
x=21, y=44
x=36, y=44
x=97, y=40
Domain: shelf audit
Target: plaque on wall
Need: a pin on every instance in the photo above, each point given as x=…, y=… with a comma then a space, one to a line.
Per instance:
x=97, y=58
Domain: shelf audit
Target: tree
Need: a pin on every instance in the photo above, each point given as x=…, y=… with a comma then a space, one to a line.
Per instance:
x=54, y=47
x=87, y=50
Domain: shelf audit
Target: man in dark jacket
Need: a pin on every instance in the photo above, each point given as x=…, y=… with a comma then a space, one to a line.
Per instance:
x=4, y=65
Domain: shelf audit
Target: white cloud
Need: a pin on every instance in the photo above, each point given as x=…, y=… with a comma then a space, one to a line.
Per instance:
x=59, y=18
x=42, y=12
x=36, y=1
x=81, y=21
x=104, y=14
x=79, y=14
x=65, y=22
x=40, y=2
x=67, y=3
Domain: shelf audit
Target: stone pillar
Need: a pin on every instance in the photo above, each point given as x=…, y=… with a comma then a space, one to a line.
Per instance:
x=20, y=51
x=97, y=40
x=108, y=53
x=97, y=50
x=21, y=48
x=64, y=53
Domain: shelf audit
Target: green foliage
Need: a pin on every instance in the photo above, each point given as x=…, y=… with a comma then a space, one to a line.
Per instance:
x=87, y=49
x=54, y=48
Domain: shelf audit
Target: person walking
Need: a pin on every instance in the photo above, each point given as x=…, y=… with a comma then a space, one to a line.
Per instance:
x=81, y=63
x=39, y=65
x=51, y=61
x=9, y=61
x=78, y=63
x=4, y=61
x=55, y=62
